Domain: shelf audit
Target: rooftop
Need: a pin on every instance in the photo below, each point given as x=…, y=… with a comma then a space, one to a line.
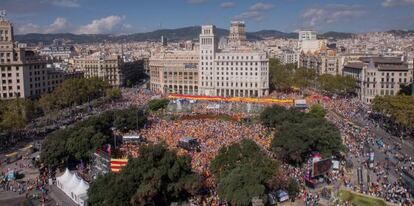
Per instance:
x=355, y=65
x=393, y=68
x=382, y=60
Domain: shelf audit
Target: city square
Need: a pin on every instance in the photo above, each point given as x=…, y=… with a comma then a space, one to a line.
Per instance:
x=102, y=113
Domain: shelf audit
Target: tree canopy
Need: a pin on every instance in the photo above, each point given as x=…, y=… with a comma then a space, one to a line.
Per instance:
x=285, y=77
x=298, y=134
x=74, y=92
x=275, y=116
x=243, y=171
x=79, y=141
x=317, y=110
x=337, y=84
x=158, y=176
x=157, y=104
x=294, y=142
x=280, y=75
x=14, y=114
x=400, y=108
x=406, y=89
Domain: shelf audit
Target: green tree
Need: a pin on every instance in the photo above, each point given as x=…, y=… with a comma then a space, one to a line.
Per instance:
x=241, y=184
x=157, y=104
x=280, y=75
x=79, y=141
x=405, y=89
x=317, y=110
x=337, y=84
x=295, y=141
x=276, y=115
x=54, y=150
x=113, y=93
x=157, y=176
x=399, y=108
x=84, y=141
x=75, y=92
x=304, y=78
x=293, y=188
x=243, y=171
x=129, y=119
x=14, y=114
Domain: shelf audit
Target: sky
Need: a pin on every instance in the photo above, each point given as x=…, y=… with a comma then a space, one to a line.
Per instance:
x=132, y=16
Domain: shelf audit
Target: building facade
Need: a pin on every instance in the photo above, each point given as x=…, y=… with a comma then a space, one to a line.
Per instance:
x=240, y=71
x=288, y=56
x=379, y=76
x=23, y=73
x=308, y=42
x=110, y=68
x=237, y=34
x=58, y=52
x=236, y=71
x=174, y=72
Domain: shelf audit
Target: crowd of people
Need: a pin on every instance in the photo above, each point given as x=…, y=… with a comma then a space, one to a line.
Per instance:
x=18, y=179
x=360, y=141
x=204, y=122
x=227, y=132
x=212, y=131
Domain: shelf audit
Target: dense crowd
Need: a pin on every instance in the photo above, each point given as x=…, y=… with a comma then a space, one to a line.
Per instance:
x=385, y=182
x=218, y=124
x=137, y=97
x=212, y=131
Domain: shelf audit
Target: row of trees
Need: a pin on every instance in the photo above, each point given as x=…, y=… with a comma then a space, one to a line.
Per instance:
x=79, y=141
x=397, y=109
x=157, y=177
x=157, y=104
x=75, y=92
x=15, y=114
x=286, y=77
x=299, y=134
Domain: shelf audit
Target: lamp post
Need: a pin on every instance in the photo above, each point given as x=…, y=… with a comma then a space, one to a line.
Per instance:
x=412, y=82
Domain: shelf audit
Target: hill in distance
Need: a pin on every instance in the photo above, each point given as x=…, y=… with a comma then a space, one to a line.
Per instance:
x=179, y=34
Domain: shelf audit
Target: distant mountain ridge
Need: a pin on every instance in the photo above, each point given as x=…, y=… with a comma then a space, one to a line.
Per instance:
x=185, y=33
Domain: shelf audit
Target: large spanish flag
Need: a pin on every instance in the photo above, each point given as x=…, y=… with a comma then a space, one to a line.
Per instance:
x=117, y=164
x=233, y=99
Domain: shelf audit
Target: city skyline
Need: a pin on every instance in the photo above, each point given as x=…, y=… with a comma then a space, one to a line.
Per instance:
x=112, y=17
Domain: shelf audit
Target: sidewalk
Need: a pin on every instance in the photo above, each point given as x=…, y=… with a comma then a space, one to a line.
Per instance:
x=60, y=197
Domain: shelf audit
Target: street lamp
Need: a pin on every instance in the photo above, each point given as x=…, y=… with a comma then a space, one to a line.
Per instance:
x=113, y=131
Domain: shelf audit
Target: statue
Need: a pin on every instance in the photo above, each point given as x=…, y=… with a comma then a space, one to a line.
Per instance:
x=3, y=14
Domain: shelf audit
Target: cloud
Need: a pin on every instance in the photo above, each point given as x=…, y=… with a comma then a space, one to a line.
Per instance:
x=227, y=5
x=261, y=7
x=59, y=25
x=28, y=28
x=64, y=3
x=255, y=12
x=109, y=24
x=319, y=16
x=395, y=3
x=196, y=1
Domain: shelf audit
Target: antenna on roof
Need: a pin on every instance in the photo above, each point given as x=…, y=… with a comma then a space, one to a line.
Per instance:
x=3, y=15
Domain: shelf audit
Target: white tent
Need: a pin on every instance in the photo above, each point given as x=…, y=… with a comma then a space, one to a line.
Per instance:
x=74, y=187
x=64, y=179
x=80, y=190
x=72, y=184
